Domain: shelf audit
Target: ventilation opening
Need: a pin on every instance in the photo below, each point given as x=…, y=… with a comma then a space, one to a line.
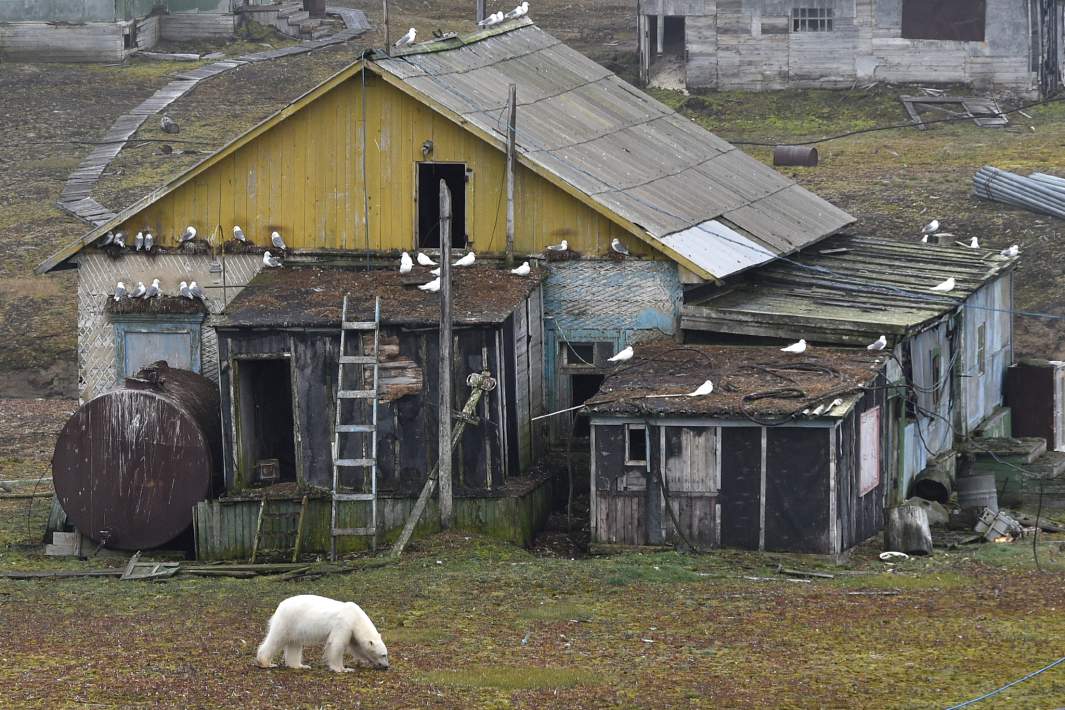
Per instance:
x=429, y=177
x=635, y=444
x=583, y=387
x=266, y=435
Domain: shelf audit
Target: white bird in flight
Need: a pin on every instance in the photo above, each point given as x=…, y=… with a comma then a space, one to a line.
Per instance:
x=139, y=291
x=183, y=289
x=153, y=291
x=149, y=241
x=423, y=260
x=931, y=228
x=945, y=286
x=120, y=291
x=622, y=356
x=407, y=38
x=974, y=243
x=197, y=291
x=432, y=287
x=277, y=241
x=405, y=263
x=189, y=235
x=466, y=260
x=238, y=234
x=618, y=247
x=1011, y=251
x=564, y=246
x=138, y=241
x=520, y=11
x=878, y=344
x=269, y=260
x=799, y=347
x=702, y=390
x=522, y=270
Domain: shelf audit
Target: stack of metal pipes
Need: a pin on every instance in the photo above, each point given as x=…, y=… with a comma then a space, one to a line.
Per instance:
x=1039, y=192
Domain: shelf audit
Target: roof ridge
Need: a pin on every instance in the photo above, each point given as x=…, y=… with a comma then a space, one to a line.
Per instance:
x=456, y=42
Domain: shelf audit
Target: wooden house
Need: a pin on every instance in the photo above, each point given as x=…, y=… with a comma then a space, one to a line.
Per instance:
x=993, y=45
x=790, y=452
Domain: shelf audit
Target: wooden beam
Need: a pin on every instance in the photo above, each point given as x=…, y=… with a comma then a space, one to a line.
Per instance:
x=512, y=105
x=444, y=408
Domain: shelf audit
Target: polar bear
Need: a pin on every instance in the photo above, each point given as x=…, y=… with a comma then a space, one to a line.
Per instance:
x=310, y=620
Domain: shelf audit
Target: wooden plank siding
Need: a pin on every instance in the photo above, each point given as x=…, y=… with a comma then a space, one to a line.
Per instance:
x=303, y=177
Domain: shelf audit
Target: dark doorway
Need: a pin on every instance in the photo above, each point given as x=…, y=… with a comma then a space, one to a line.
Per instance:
x=582, y=387
x=429, y=177
x=265, y=430
x=673, y=36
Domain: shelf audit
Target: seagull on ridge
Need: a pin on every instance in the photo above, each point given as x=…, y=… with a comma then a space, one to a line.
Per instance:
x=799, y=347
x=405, y=263
x=423, y=260
x=120, y=291
x=139, y=291
x=466, y=260
x=197, y=291
x=277, y=241
x=622, y=356
x=945, y=286
x=1011, y=251
x=618, y=247
x=183, y=289
x=702, y=390
x=189, y=235
x=407, y=38
x=270, y=260
x=432, y=287
x=878, y=344
x=520, y=11
x=564, y=246
x=152, y=291
x=238, y=234
x=522, y=270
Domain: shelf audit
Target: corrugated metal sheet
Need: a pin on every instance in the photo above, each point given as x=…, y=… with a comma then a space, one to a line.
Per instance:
x=630, y=152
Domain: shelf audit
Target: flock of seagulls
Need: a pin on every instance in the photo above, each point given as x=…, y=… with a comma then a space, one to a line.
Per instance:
x=948, y=285
x=491, y=20
x=192, y=291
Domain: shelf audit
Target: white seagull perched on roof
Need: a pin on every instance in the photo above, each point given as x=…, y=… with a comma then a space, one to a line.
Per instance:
x=522, y=270
x=407, y=38
x=120, y=291
x=269, y=260
x=1011, y=251
x=197, y=291
x=618, y=247
x=520, y=11
x=435, y=272
x=139, y=291
x=974, y=243
x=466, y=260
x=120, y=239
x=622, y=356
x=799, y=347
x=277, y=241
x=183, y=289
x=238, y=234
x=169, y=125
x=423, y=260
x=702, y=390
x=564, y=246
x=153, y=291
x=931, y=228
x=189, y=235
x=945, y=286
x=405, y=263
x=138, y=241
x=149, y=241
x=432, y=287
x=494, y=19
x=878, y=344
x=107, y=239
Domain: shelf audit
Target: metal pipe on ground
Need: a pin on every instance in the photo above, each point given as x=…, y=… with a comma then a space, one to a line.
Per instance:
x=802, y=155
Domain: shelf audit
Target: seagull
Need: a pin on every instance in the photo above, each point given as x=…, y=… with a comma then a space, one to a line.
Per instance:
x=120, y=291
x=835, y=403
x=149, y=241
x=107, y=239
x=817, y=410
x=618, y=247
x=183, y=289
x=522, y=270
x=152, y=291
x=120, y=239
x=564, y=246
x=622, y=356
x=432, y=287
x=139, y=291
x=945, y=286
x=405, y=263
x=169, y=125
x=238, y=234
x=435, y=272
x=423, y=260
x=702, y=390
x=407, y=38
x=924, y=239
x=878, y=344
x=799, y=347
x=466, y=260
x=974, y=243
x=270, y=260
x=1011, y=251
x=189, y=235
x=931, y=228
x=277, y=241
x=197, y=291
x=494, y=19
x=139, y=241
x=520, y=11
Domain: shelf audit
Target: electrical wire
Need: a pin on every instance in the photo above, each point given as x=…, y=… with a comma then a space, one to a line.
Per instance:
x=996, y=691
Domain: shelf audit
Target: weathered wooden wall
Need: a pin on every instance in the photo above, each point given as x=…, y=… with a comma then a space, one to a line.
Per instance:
x=979, y=384
x=187, y=26
x=861, y=515
x=303, y=178
x=48, y=42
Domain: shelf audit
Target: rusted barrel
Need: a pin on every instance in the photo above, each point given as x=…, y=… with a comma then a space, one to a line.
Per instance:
x=977, y=491
x=130, y=464
x=804, y=155
x=933, y=484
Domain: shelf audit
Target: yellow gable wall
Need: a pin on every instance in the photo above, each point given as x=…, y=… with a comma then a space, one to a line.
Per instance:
x=303, y=178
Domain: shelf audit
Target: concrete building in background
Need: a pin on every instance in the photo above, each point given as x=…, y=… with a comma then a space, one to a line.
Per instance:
x=992, y=45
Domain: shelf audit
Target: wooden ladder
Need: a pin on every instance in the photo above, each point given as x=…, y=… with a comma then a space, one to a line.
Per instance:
x=285, y=534
x=355, y=362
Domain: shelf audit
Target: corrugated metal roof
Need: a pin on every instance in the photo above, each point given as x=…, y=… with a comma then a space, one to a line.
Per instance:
x=629, y=152
x=849, y=290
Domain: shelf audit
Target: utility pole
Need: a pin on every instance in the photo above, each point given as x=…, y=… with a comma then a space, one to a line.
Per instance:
x=480, y=10
x=512, y=105
x=444, y=408
x=388, y=40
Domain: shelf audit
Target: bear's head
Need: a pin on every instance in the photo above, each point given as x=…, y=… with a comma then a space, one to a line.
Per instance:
x=371, y=648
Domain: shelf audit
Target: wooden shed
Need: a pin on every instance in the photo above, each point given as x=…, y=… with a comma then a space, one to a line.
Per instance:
x=788, y=453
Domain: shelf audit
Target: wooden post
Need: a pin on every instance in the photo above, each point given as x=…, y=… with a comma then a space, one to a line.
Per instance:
x=388, y=40
x=512, y=104
x=444, y=409
x=480, y=10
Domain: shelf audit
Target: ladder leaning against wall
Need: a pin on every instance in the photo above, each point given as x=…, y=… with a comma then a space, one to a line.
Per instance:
x=356, y=367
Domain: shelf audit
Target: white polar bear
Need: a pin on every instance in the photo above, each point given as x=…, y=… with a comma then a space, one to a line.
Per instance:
x=310, y=620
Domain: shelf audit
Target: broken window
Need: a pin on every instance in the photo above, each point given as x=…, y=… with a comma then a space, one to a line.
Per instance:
x=635, y=444
x=429, y=177
x=981, y=348
x=958, y=20
x=812, y=19
x=578, y=354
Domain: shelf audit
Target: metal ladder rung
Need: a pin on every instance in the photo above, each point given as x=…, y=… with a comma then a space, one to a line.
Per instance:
x=354, y=462
x=354, y=428
x=353, y=496
x=360, y=325
x=354, y=531
x=358, y=360
x=356, y=394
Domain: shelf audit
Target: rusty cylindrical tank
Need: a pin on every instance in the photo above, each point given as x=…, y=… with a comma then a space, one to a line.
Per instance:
x=804, y=155
x=130, y=464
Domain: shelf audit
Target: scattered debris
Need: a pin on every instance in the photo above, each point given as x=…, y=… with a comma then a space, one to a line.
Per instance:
x=171, y=56
x=136, y=569
x=997, y=527
x=781, y=569
x=984, y=112
x=893, y=556
x=1038, y=192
